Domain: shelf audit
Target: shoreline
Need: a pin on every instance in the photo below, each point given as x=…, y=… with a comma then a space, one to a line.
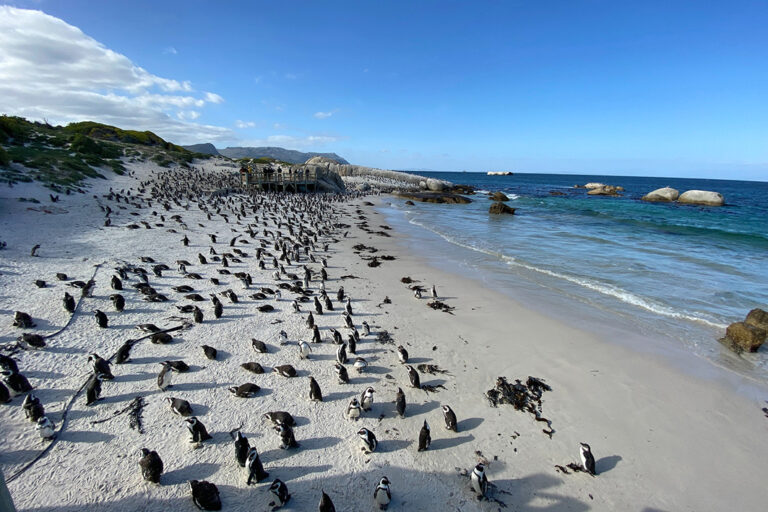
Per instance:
x=652, y=428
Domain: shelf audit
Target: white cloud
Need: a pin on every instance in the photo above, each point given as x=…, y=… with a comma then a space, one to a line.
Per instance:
x=292, y=142
x=244, y=124
x=52, y=70
x=323, y=115
x=170, y=50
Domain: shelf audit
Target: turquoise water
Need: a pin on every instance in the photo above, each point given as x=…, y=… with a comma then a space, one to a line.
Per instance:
x=682, y=271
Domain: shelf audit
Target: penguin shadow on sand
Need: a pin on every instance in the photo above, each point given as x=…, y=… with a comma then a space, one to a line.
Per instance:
x=449, y=441
x=340, y=395
x=527, y=492
x=468, y=424
x=41, y=375
x=85, y=436
x=143, y=360
x=605, y=464
x=417, y=409
x=137, y=377
x=183, y=475
x=314, y=356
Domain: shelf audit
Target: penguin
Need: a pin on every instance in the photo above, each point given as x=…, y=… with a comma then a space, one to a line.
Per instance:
x=479, y=481
x=197, y=315
x=287, y=439
x=360, y=364
x=151, y=466
x=400, y=403
x=101, y=319
x=366, y=329
x=179, y=406
x=218, y=310
x=253, y=367
x=69, y=303
x=348, y=307
x=124, y=352
x=33, y=409
x=341, y=354
x=369, y=440
x=280, y=418
x=587, y=459
x=118, y=302
x=336, y=336
x=161, y=338
x=246, y=390
x=296, y=307
x=341, y=372
x=283, y=337
x=259, y=346
x=197, y=431
x=450, y=418
x=17, y=383
x=417, y=293
x=348, y=321
x=45, y=428
x=280, y=490
x=40, y=283
x=353, y=410
x=255, y=468
x=164, y=377
x=413, y=376
x=93, y=391
x=242, y=448
x=434, y=292
x=402, y=354
x=325, y=505
x=8, y=364
x=116, y=284
x=366, y=399
x=314, y=391
x=318, y=307
x=31, y=341
x=382, y=495
x=205, y=495
x=285, y=370
x=340, y=294
x=328, y=303
x=209, y=352
x=304, y=350
x=310, y=320
x=100, y=365
x=5, y=395
x=424, y=437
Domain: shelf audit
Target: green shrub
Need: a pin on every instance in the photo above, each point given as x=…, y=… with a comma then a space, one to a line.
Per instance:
x=4, y=158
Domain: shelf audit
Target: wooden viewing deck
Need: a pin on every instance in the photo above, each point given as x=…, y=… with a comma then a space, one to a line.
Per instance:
x=287, y=181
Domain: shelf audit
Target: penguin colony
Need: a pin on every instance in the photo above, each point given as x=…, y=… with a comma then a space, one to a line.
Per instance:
x=274, y=249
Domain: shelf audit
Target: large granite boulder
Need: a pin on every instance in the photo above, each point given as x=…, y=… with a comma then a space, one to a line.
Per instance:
x=758, y=318
x=662, y=195
x=592, y=185
x=498, y=196
x=498, y=207
x=434, y=185
x=703, y=197
x=604, y=190
x=434, y=197
x=741, y=336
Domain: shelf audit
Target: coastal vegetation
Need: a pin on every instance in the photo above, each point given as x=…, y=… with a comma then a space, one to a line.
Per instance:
x=62, y=156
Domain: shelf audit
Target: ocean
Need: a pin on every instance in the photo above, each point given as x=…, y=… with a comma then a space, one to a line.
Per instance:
x=668, y=272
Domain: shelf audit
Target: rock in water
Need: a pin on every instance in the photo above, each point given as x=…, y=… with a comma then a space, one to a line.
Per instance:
x=703, y=197
x=758, y=318
x=662, y=195
x=743, y=336
x=498, y=207
x=498, y=196
x=605, y=190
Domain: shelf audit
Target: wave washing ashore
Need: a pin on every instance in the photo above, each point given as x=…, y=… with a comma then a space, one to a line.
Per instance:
x=651, y=428
x=682, y=273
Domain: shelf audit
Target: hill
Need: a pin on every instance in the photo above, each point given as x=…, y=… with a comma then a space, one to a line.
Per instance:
x=281, y=154
x=205, y=148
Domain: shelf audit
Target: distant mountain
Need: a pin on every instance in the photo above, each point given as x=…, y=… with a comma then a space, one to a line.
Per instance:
x=284, y=155
x=206, y=149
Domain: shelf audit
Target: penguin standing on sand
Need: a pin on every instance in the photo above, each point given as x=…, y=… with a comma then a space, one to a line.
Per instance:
x=382, y=495
x=366, y=329
x=304, y=350
x=325, y=505
x=242, y=448
x=400, y=403
x=255, y=469
x=287, y=439
x=118, y=301
x=434, y=292
x=280, y=490
x=314, y=390
x=164, y=378
x=16, y=382
x=310, y=320
x=45, y=428
x=33, y=409
x=316, y=335
x=425, y=439
x=101, y=319
x=369, y=440
x=353, y=410
x=341, y=372
x=151, y=466
x=402, y=354
x=341, y=354
x=124, y=352
x=197, y=431
x=205, y=495
x=587, y=459
x=413, y=376
x=450, y=418
x=366, y=399
x=479, y=481
x=100, y=365
x=69, y=303
x=179, y=406
x=93, y=391
x=5, y=395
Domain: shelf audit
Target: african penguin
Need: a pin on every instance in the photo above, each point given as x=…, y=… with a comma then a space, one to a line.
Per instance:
x=205, y=495
x=587, y=459
x=151, y=466
x=255, y=468
x=341, y=354
x=197, y=430
x=93, y=391
x=400, y=403
x=366, y=399
x=382, y=495
x=242, y=447
x=101, y=319
x=413, y=376
x=368, y=439
x=402, y=354
x=479, y=481
x=450, y=418
x=45, y=428
x=33, y=409
x=69, y=303
x=304, y=350
x=287, y=439
x=314, y=390
x=280, y=490
x=341, y=372
x=179, y=406
x=325, y=505
x=424, y=437
x=164, y=377
x=353, y=410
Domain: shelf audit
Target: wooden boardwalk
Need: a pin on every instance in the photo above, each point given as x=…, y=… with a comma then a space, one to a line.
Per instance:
x=301, y=180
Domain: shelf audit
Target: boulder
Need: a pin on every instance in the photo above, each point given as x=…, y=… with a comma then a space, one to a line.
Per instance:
x=703, y=197
x=604, y=190
x=498, y=196
x=498, y=207
x=556, y=193
x=592, y=185
x=409, y=203
x=434, y=185
x=434, y=197
x=741, y=336
x=757, y=318
x=662, y=195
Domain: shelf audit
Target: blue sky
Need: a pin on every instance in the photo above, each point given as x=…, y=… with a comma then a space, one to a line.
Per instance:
x=609, y=87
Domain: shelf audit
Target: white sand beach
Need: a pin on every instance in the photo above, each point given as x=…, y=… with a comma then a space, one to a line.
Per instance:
x=668, y=433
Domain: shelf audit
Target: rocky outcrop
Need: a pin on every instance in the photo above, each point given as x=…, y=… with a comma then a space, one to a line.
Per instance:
x=498, y=196
x=702, y=197
x=748, y=335
x=434, y=197
x=356, y=176
x=758, y=318
x=498, y=208
x=662, y=195
x=604, y=190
